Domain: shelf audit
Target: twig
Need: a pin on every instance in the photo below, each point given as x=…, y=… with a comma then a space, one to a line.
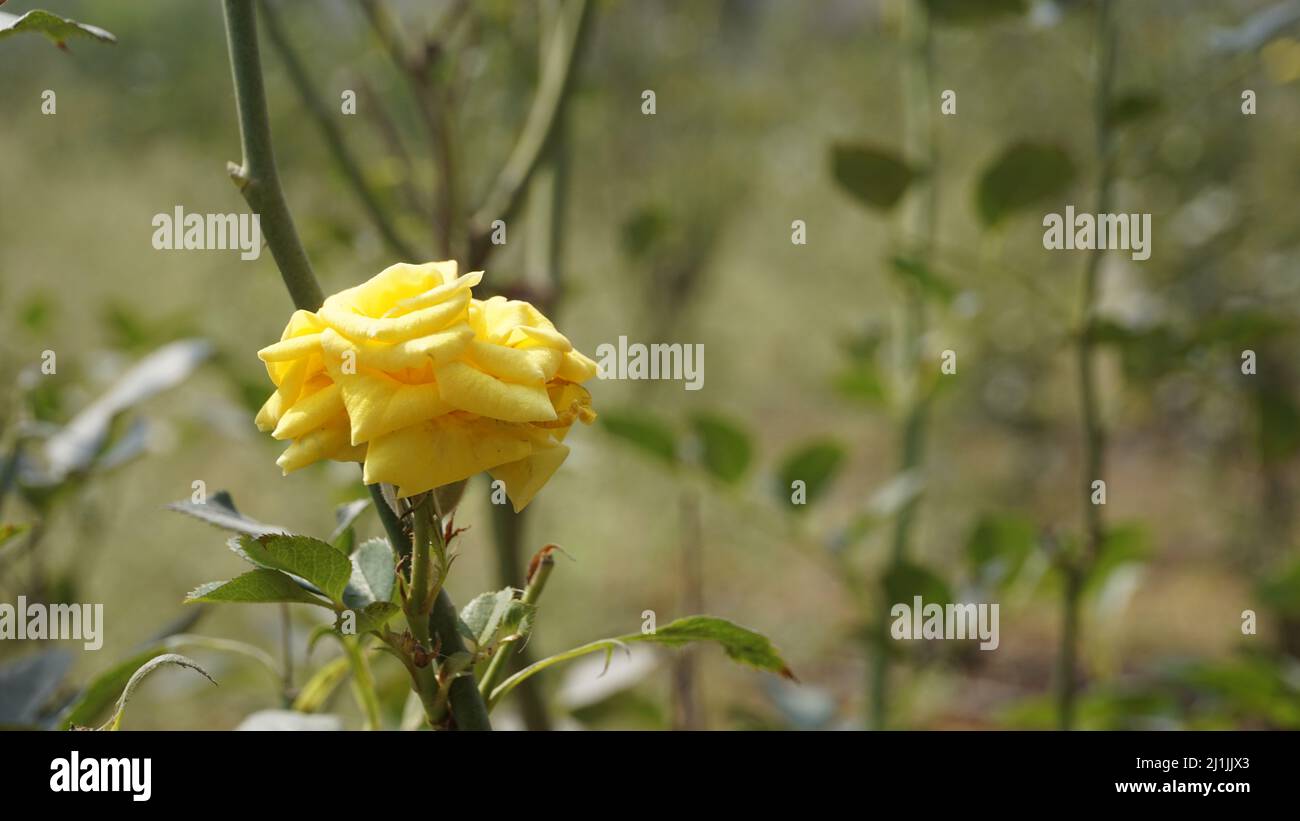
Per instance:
x=552, y=91
x=328, y=125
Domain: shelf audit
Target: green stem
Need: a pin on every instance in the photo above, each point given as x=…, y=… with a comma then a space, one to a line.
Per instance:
x=467, y=706
x=326, y=122
x=504, y=688
x=923, y=147
x=532, y=593
x=257, y=177
x=1094, y=435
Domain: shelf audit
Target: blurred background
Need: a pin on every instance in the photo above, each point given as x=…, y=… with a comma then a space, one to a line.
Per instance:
x=923, y=235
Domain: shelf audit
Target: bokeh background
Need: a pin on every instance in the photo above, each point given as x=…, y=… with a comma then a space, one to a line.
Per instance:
x=677, y=227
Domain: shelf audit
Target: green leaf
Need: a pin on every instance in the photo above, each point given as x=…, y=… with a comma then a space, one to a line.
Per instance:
x=345, y=516
x=873, y=176
x=1024, y=175
x=490, y=617
x=374, y=574
x=642, y=430
x=968, y=12
x=1280, y=590
x=998, y=547
x=371, y=617
x=219, y=510
x=917, y=274
x=57, y=29
x=153, y=664
x=740, y=644
x=725, y=448
x=261, y=585
x=815, y=464
x=1131, y=107
x=1278, y=416
x=905, y=580
x=319, y=563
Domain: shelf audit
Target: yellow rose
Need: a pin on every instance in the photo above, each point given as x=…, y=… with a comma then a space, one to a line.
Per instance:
x=410, y=375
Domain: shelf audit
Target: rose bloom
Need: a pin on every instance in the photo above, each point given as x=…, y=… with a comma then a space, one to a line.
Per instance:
x=425, y=385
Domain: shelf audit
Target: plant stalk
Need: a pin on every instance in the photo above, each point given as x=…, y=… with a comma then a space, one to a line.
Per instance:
x=257, y=177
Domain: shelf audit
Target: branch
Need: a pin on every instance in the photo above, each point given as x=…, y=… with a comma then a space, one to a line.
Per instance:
x=553, y=87
x=257, y=178
x=322, y=115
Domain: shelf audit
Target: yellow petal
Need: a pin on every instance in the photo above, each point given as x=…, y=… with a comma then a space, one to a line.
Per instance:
x=469, y=389
x=525, y=477
x=325, y=443
x=436, y=348
x=313, y=410
x=288, y=349
x=301, y=323
x=441, y=451
x=531, y=366
x=378, y=404
x=423, y=322
x=269, y=416
x=435, y=295
x=576, y=367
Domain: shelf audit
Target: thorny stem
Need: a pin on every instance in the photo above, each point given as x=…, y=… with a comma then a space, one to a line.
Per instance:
x=1075, y=568
x=532, y=593
x=257, y=177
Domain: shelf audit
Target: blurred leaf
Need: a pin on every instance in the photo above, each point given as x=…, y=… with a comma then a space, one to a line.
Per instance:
x=1280, y=591
x=726, y=448
x=148, y=667
x=968, y=12
x=373, y=574
x=57, y=29
x=75, y=447
x=861, y=381
x=1123, y=544
x=315, y=694
x=11, y=531
x=36, y=313
x=103, y=689
x=1024, y=175
x=998, y=547
x=906, y=579
x=1132, y=107
x=320, y=563
x=815, y=464
x=644, y=231
x=261, y=585
x=1279, y=424
x=917, y=274
x=1145, y=353
x=28, y=683
x=219, y=510
x=646, y=432
x=872, y=176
